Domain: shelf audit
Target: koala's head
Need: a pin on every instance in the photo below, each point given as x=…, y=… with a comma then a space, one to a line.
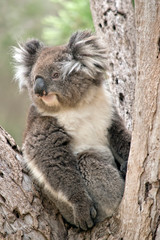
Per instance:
x=62, y=76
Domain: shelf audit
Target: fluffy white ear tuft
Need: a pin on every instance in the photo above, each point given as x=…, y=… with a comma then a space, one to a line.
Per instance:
x=24, y=57
x=88, y=54
x=19, y=65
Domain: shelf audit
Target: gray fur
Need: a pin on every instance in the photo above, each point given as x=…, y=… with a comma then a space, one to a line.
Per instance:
x=85, y=183
x=87, y=55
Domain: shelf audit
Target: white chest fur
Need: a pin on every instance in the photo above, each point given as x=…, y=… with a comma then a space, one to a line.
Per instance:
x=88, y=123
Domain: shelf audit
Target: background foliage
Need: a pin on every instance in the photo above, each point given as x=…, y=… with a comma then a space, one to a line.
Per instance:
x=51, y=21
x=72, y=15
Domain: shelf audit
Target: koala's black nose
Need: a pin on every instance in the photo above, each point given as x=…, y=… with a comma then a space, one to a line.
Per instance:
x=40, y=87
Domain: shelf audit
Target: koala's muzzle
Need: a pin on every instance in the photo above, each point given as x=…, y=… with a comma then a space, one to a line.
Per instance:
x=40, y=87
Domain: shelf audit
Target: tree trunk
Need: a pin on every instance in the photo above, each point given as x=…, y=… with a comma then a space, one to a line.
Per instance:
x=26, y=213
x=114, y=22
x=140, y=208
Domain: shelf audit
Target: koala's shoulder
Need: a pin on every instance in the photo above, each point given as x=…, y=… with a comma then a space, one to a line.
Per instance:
x=35, y=116
x=33, y=113
x=38, y=125
x=36, y=122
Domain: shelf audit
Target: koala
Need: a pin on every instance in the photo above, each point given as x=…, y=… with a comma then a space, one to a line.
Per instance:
x=75, y=143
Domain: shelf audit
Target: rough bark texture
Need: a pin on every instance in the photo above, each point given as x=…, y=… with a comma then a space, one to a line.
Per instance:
x=114, y=22
x=141, y=211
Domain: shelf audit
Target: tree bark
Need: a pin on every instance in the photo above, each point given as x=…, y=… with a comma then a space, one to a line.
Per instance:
x=26, y=213
x=140, y=208
x=114, y=22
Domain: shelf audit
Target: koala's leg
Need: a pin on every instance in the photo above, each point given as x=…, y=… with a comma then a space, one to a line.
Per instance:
x=48, y=155
x=103, y=181
x=119, y=140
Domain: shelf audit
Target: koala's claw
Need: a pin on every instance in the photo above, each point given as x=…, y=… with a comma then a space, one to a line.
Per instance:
x=84, y=219
x=93, y=213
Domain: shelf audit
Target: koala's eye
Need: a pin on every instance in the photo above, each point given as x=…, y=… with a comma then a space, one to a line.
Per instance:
x=55, y=75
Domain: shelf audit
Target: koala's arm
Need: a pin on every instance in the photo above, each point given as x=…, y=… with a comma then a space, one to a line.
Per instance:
x=119, y=139
x=48, y=155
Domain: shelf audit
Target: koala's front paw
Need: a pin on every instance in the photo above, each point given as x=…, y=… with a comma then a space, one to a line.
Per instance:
x=84, y=214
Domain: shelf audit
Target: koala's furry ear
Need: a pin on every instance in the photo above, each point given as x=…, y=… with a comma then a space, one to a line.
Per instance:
x=88, y=54
x=24, y=57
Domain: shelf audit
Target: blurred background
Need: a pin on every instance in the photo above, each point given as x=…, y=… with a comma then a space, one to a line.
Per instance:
x=51, y=21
